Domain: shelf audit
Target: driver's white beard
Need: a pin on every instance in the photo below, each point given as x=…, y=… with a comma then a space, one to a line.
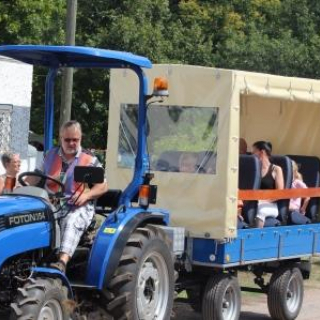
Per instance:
x=73, y=151
x=70, y=152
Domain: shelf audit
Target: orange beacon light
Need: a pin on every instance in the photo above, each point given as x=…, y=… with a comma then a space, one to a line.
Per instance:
x=160, y=87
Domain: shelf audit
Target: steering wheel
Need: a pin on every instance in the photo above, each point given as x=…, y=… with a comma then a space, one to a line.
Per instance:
x=42, y=181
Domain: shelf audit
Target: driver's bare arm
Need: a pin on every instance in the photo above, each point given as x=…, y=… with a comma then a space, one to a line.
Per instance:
x=89, y=194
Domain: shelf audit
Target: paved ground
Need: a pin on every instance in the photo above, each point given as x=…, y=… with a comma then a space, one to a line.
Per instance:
x=254, y=307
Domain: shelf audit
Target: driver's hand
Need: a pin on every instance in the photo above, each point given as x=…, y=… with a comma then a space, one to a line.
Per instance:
x=80, y=200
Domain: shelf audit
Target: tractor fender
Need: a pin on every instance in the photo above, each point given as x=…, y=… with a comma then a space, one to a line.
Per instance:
x=53, y=273
x=111, y=241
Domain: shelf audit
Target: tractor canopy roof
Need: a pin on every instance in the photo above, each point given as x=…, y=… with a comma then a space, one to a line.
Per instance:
x=72, y=56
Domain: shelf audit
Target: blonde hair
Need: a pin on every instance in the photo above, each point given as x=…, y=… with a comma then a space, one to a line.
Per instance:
x=295, y=171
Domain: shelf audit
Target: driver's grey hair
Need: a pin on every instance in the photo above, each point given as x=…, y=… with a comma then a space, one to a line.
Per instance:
x=69, y=124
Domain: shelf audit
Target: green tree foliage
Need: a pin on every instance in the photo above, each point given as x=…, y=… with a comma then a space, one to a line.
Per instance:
x=273, y=36
x=33, y=22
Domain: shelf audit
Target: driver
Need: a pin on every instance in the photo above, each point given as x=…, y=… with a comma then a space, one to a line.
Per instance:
x=76, y=216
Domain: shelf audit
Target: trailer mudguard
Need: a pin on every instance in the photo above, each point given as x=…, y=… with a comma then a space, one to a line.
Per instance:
x=24, y=238
x=111, y=240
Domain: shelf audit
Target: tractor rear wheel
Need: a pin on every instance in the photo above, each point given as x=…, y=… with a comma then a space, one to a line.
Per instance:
x=41, y=299
x=143, y=285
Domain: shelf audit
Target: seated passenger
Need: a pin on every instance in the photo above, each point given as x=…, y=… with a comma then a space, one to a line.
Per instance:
x=188, y=162
x=11, y=163
x=243, y=147
x=296, y=207
x=272, y=178
x=241, y=224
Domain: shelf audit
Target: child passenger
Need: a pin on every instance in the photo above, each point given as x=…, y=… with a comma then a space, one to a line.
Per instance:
x=296, y=207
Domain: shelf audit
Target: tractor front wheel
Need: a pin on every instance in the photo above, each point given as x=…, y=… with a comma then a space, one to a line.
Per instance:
x=143, y=284
x=41, y=299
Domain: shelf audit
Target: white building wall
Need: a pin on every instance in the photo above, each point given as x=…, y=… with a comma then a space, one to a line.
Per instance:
x=15, y=83
x=15, y=96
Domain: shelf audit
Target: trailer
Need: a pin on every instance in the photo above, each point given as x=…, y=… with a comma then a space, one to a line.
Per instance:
x=207, y=112
x=164, y=230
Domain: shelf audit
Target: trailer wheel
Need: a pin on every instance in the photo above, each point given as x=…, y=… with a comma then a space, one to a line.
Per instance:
x=285, y=295
x=221, y=298
x=41, y=299
x=143, y=284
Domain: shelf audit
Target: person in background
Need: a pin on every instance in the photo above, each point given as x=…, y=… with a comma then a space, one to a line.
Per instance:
x=243, y=147
x=188, y=162
x=76, y=215
x=11, y=163
x=272, y=178
x=298, y=208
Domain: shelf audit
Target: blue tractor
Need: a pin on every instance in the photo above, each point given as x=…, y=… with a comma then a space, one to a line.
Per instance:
x=126, y=270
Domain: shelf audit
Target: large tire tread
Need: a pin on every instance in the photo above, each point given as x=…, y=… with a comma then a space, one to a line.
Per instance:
x=214, y=293
x=33, y=295
x=127, y=259
x=118, y=301
x=120, y=280
x=277, y=293
x=122, y=285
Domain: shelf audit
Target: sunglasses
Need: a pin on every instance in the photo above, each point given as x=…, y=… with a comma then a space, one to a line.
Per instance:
x=68, y=140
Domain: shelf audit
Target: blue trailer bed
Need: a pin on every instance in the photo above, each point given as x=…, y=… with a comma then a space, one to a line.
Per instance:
x=257, y=245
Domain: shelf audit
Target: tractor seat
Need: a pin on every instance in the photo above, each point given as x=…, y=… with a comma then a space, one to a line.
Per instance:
x=108, y=201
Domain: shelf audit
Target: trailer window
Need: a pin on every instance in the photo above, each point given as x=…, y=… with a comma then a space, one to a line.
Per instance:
x=174, y=133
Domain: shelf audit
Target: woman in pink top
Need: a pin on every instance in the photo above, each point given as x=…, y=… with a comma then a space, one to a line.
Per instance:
x=296, y=206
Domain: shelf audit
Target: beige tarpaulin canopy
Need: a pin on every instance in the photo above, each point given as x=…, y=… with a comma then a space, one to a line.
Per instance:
x=254, y=106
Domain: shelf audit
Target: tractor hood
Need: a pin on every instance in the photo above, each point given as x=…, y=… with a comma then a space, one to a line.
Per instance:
x=13, y=204
x=24, y=225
